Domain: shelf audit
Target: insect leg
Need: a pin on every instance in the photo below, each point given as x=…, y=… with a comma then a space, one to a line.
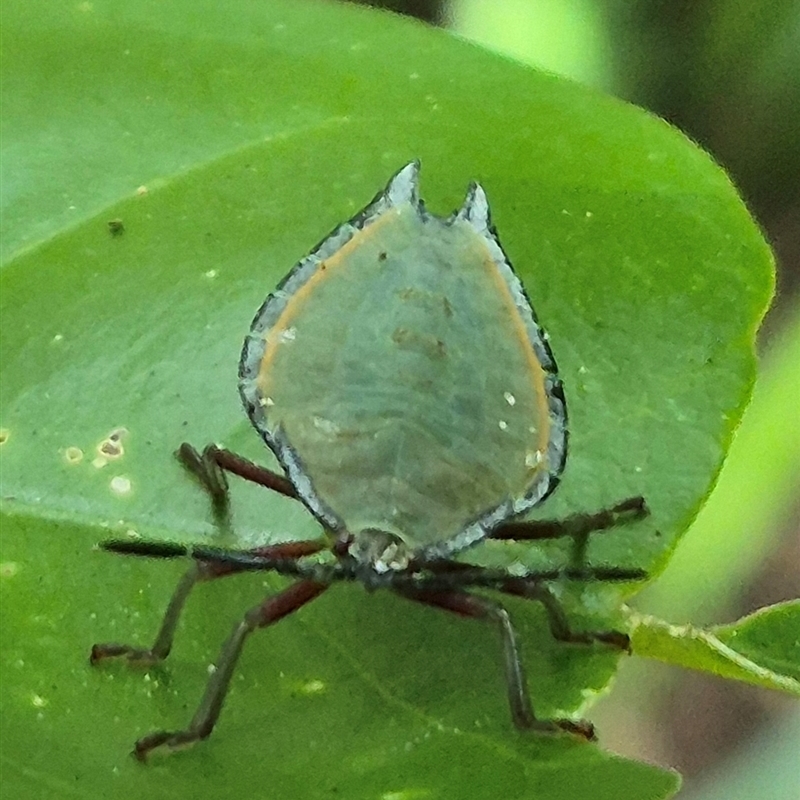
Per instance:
x=448, y=574
x=266, y=613
x=557, y=618
x=210, y=466
x=201, y=570
x=469, y=605
x=166, y=633
x=576, y=525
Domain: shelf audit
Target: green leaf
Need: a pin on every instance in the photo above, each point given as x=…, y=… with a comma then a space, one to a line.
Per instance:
x=757, y=489
x=769, y=636
x=256, y=128
x=762, y=649
x=364, y=697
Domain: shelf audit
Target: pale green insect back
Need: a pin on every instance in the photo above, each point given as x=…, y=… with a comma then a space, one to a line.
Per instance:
x=400, y=376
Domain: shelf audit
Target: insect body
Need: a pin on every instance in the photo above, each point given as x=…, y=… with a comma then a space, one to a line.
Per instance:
x=400, y=376
x=424, y=377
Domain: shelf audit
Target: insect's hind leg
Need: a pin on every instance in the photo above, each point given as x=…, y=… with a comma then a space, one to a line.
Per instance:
x=557, y=618
x=469, y=605
x=205, y=469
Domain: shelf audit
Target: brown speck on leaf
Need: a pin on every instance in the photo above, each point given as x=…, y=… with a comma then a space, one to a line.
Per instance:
x=73, y=455
x=111, y=446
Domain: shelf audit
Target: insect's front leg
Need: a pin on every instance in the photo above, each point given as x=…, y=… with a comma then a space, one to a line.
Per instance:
x=266, y=613
x=202, y=569
x=166, y=633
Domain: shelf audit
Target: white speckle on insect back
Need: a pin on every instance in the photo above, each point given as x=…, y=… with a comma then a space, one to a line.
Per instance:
x=266, y=401
x=288, y=335
x=532, y=460
x=503, y=425
x=326, y=426
x=510, y=399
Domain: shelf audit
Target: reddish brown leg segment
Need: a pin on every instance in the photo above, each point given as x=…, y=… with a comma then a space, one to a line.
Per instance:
x=558, y=620
x=210, y=468
x=576, y=525
x=211, y=476
x=199, y=571
x=522, y=713
x=262, y=615
x=166, y=633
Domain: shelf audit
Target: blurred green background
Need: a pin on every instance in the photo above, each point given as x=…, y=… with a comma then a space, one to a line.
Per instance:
x=727, y=73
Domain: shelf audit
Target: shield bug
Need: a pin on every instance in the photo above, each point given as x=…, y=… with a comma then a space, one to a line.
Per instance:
x=402, y=380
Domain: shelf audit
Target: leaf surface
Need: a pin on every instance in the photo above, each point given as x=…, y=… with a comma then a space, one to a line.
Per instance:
x=228, y=139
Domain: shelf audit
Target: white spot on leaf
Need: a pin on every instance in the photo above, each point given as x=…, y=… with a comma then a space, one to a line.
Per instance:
x=73, y=455
x=120, y=485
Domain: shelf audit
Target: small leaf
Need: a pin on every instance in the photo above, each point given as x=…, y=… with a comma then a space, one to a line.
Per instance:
x=762, y=649
x=769, y=636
